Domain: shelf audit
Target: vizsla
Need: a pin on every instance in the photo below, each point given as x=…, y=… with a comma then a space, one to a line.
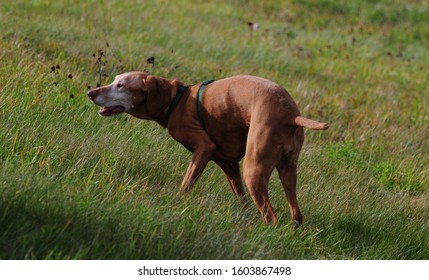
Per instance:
x=223, y=121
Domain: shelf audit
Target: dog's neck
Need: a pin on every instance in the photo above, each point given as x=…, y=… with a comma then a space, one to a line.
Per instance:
x=179, y=94
x=170, y=101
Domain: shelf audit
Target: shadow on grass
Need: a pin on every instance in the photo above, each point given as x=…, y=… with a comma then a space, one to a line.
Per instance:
x=39, y=232
x=60, y=229
x=38, y=228
x=375, y=239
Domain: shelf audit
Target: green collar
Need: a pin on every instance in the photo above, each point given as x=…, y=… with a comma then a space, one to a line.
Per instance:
x=180, y=92
x=200, y=102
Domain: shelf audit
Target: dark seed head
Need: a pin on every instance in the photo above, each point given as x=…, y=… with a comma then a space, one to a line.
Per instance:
x=151, y=60
x=70, y=76
x=52, y=69
x=58, y=66
x=72, y=96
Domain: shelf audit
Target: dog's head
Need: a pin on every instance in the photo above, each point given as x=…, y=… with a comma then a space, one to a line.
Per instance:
x=121, y=95
x=136, y=93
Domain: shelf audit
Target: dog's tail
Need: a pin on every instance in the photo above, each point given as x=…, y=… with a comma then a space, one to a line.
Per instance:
x=307, y=123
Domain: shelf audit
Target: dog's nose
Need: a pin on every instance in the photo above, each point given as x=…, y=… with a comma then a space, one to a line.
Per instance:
x=91, y=94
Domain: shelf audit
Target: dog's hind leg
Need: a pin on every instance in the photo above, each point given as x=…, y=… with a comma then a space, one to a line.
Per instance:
x=256, y=178
x=262, y=155
x=232, y=173
x=287, y=169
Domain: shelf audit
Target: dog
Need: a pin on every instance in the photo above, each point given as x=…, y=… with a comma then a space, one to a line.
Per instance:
x=223, y=121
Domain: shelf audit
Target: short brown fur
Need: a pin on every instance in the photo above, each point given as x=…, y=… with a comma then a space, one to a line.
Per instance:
x=245, y=116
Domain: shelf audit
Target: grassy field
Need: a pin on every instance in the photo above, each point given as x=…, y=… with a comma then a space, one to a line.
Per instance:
x=74, y=185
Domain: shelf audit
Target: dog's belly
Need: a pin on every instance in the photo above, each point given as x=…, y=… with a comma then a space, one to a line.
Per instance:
x=229, y=146
x=227, y=127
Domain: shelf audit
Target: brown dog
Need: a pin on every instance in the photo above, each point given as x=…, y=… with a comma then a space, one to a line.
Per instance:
x=237, y=116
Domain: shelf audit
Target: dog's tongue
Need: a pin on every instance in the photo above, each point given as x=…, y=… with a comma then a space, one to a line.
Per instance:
x=111, y=111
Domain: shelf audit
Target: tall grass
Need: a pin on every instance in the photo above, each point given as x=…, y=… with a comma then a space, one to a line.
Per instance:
x=77, y=186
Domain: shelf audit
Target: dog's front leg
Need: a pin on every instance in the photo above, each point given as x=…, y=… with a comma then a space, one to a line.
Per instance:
x=202, y=155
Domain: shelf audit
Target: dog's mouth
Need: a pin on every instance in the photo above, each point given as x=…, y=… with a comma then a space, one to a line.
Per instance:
x=111, y=111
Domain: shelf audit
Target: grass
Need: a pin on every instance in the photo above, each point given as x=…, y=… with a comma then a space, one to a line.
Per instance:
x=77, y=186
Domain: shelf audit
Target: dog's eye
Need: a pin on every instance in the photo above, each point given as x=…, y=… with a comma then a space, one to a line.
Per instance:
x=119, y=85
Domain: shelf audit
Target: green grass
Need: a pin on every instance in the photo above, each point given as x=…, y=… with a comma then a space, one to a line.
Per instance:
x=77, y=186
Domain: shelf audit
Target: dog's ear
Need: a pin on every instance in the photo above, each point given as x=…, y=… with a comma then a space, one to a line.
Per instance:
x=159, y=92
